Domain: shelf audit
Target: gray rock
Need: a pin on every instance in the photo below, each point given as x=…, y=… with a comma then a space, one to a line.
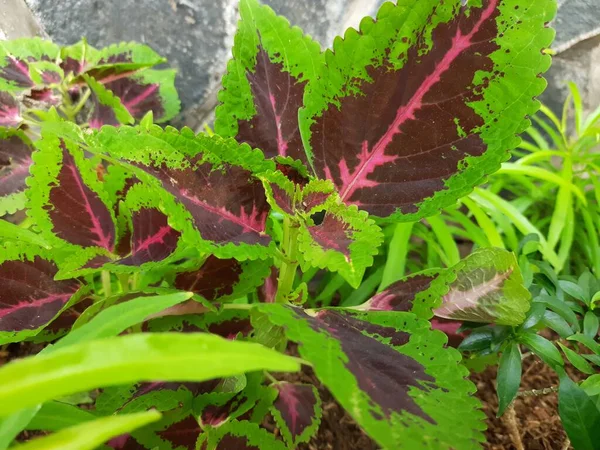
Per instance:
x=578, y=54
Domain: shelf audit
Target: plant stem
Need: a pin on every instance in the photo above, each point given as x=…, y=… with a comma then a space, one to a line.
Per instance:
x=510, y=417
x=106, y=283
x=124, y=280
x=538, y=392
x=289, y=265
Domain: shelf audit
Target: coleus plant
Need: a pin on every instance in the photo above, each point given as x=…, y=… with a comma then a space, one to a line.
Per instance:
x=313, y=151
x=38, y=80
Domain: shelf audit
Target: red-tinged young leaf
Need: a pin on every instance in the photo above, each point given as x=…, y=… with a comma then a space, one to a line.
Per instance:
x=153, y=239
x=345, y=241
x=390, y=372
x=422, y=103
x=10, y=115
x=77, y=213
x=15, y=160
x=265, y=82
x=297, y=411
x=30, y=298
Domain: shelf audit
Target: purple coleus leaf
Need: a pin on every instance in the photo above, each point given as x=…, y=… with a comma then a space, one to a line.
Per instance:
x=10, y=115
x=148, y=90
x=216, y=278
x=339, y=238
x=208, y=186
x=388, y=370
x=263, y=89
x=227, y=323
x=152, y=240
x=64, y=322
x=297, y=411
x=77, y=213
x=16, y=72
x=277, y=97
x=400, y=295
x=106, y=108
x=226, y=205
x=402, y=126
x=15, y=160
x=229, y=402
x=27, y=62
x=30, y=298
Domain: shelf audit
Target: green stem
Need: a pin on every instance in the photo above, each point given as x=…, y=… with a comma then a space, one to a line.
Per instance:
x=106, y=283
x=124, y=280
x=289, y=265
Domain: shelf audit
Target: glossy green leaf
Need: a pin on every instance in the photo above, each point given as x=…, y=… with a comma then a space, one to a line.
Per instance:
x=118, y=318
x=579, y=415
x=89, y=436
x=128, y=359
x=577, y=360
x=55, y=416
x=509, y=377
x=542, y=348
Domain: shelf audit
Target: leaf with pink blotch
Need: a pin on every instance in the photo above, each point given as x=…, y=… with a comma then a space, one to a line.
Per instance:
x=30, y=297
x=485, y=287
x=265, y=81
x=297, y=411
x=424, y=101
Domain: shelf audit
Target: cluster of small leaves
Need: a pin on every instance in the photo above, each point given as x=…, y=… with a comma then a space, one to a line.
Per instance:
x=173, y=236
x=40, y=81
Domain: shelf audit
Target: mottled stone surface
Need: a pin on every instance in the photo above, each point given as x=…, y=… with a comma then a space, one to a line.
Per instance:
x=16, y=20
x=196, y=36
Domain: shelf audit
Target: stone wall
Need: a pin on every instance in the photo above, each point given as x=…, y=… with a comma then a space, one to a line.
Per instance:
x=196, y=36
